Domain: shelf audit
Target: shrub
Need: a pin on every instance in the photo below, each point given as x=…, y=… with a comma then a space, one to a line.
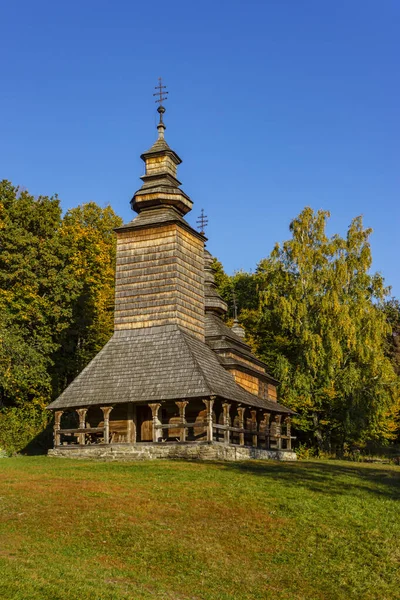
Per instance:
x=304, y=452
x=23, y=427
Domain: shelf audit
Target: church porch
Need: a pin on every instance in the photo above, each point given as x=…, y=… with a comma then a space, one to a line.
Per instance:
x=173, y=429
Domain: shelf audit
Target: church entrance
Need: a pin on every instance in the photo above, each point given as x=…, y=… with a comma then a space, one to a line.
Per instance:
x=144, y=424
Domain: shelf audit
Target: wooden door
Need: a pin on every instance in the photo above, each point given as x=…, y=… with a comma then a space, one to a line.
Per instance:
x=145, y=424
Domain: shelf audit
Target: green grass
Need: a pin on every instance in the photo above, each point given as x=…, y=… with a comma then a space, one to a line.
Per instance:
x=72, y=530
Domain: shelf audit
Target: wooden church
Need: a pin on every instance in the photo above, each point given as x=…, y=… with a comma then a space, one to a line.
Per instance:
x=173, y=381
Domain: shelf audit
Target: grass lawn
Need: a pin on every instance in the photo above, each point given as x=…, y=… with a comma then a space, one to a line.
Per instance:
x=72, y=530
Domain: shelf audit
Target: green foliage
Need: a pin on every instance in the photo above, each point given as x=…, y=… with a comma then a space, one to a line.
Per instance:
x=305, y=452
x=316, y=315
x=392, y=312
x=87, y=233
x=327, y=309
x=243, y=286
x=56, y=298
x=24, y=377
x=19, y=426
x=33, y=303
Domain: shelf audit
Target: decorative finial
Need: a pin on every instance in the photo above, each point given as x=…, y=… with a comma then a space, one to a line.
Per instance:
x=202, y=222
x=162, y=95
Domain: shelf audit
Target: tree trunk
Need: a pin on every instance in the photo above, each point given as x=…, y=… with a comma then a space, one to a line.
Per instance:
x=317, y=432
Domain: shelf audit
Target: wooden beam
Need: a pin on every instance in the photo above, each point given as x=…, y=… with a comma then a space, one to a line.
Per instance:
x=82, y=430
x=187, y=425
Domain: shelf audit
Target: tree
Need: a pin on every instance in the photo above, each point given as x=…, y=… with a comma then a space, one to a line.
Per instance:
x=392, y=312
x=33, y=302
x=56, y=301
x=88, y=234
x=315, y=314
x=324, y=331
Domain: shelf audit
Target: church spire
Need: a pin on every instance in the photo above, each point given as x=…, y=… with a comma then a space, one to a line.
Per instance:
x=162, y=96
x=160, y=184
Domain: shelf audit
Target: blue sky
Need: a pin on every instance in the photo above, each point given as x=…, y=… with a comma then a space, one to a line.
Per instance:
x=273, y=105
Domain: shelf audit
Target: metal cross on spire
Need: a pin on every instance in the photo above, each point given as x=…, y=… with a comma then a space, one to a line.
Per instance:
x=162, y=95
x=202, y=222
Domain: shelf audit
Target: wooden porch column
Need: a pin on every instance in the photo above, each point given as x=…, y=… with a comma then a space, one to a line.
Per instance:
x=131, y=437
x=82, y=424
x=278, y=419
x=106, y=417
x=155, y=407
x=227, y=434
x=209, y=405
x=267, y=418
x=254, y=426
x=288, y=423
x=57, y=424
x=240, y=411
x=182, y=406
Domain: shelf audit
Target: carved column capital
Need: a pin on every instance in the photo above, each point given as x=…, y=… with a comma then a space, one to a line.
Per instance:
x=106, y=411
x=240, y=411
x=82, y=415
x=182, y=404
x=155, y=407
x=57, y=418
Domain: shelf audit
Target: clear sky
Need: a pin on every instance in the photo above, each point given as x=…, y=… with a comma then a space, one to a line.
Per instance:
x=273, y=105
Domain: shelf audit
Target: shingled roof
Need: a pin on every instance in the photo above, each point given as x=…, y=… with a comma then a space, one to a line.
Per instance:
x=155, y=364
x=221, y=338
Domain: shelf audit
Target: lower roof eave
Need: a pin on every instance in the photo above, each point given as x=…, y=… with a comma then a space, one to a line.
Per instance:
x=256, y=402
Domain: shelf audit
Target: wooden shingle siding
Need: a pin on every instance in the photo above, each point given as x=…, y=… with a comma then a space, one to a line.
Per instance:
x=160, y=279
x=249, y=383
x=272, y=393
x=160, y=164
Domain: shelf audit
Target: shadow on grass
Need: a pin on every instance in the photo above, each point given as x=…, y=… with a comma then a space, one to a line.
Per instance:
x=329, y=478
x=41, y=443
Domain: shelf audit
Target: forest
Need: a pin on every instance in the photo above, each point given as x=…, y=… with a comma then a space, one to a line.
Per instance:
x=313, y=310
